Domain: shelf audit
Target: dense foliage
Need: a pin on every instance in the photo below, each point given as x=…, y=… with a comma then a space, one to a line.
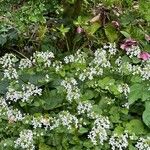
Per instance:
x=75, y=75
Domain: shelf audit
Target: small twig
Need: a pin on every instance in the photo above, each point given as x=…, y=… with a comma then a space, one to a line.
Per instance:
x=19, y=53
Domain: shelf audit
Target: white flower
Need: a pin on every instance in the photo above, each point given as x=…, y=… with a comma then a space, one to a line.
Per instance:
x=126, y=105
x=133, y=51
x=10, y=73
x=143, y=144
x=14, y=115
x=124, y=88
x=25, y=140
x=24, y=94
x=118, y=61
x=8, y=60
x=73, y=92
x=98, y=134
x=78, y=57
x=57, y=65
x=25, y=63
x=69, y=59
x=100, y=59
x=119, y=141
x=84, y=108
x=44, y=58
x=111, y=48
x=68, y=120
x=145, y=72
x=29, y=90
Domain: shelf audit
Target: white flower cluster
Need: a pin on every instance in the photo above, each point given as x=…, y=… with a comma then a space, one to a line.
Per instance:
x=69, y=59
x=111, y=47
x=143, y=144
x=118, y=61
x=73, y=92
x=98, y=134
x=123, y=67
x=126, y=105
x=57, y=65
x=145, y=72
x=78, y=57
x=24, y=95
x=37, y=122
x=68, y=120
x=64, y=118
x=124, y=88
x=84, y=108
x=119, y=142
x=25, y=140
x=45, y=58
x=100, y=59
x=90, y=72
x=13, y=115
x=25, y=63
x=133, y=51
x=136, y=70
x=8, y=60
x=142, y=70
x=8, y=64
x=46, y=122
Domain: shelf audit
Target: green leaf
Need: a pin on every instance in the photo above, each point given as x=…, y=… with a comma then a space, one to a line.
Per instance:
x=3, y=86
x=52, y=99
x=89, y=94
x=119, y=130
x=126, y=34
x=136, y=79
x=3, y=40
x=146, y=114
x=138, y=91
x=135, y=126
x=131, y=147
x=43, y=146
x=83, y=130
x=111, y=33
x=93, y=28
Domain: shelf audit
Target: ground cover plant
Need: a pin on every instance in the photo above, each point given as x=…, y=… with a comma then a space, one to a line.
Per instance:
x=75, y=75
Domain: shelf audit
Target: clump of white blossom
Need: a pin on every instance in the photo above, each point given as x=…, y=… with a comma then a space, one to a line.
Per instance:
x=98, y=134
x=90, y=72
x=78, y=57
x=43, y=58
x=38, y=122
x=68, y=120
x=145, y=72
x=111, y=47
x=84, y=108
x=124, y=88
x=8, y=60
x=72, y=90
x=25, y=63
x=133, y=51
x=13, y=115
x=119, y=142
x=57, y=65
x=8, y=64
x=24, y=94
x=143, y=144
x=100, y=59
x=25, y=140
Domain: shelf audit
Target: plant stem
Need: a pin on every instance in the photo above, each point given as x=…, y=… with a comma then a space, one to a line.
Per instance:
x=67, y=44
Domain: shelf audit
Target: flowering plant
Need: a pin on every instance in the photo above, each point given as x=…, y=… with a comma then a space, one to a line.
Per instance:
x=86, y=100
